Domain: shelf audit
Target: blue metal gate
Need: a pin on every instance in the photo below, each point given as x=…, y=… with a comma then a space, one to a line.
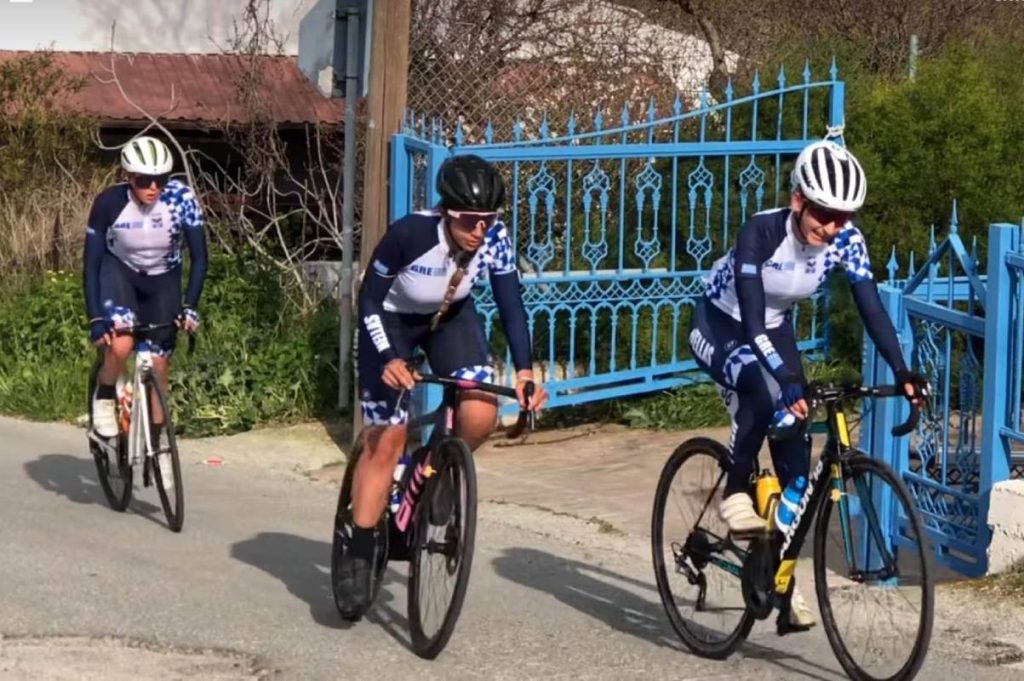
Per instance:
x=965, y=331
x=616, y=226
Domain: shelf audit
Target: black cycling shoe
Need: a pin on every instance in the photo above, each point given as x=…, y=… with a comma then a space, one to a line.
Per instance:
x=355, y=582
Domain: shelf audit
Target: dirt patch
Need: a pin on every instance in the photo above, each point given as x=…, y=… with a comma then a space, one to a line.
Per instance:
x=78, y=658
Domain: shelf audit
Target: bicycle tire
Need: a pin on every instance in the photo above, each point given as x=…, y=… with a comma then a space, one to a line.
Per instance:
x=451, y=457
x=116, y=486
x=343, y=519
x=700, y=645
x=175, y=515
x=862, y=464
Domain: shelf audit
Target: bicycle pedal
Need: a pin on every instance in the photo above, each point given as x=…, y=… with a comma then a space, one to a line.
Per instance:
x=760, y=533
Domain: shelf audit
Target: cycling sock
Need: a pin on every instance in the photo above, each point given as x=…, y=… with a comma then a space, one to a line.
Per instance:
x=105, y=392
x=364, y=541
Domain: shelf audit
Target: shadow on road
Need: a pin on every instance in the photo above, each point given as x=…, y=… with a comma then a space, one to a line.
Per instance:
x=74, y=478
x=304, y=567
x=613, y=599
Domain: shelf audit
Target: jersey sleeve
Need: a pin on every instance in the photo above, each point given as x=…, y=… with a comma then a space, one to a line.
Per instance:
x=387, y=261
x=499, y=257
x=755, y=244
x=95, y=247
x=193, y=226
x=853, y=255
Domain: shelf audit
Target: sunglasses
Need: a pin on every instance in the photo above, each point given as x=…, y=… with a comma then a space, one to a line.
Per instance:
x=469, y=221
x=826, y=216
x=145, y=181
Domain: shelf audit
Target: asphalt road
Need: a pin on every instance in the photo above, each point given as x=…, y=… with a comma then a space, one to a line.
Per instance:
x=243, y=591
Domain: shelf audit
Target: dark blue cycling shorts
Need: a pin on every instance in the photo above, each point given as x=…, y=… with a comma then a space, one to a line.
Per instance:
x=130, y=298
x=458, y=347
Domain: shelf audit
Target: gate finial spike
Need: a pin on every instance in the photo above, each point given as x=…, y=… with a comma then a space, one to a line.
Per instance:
x=625, y=114
x=570, y=127
x=459, y=138
x=833, y=69
x=911, y=268
x=782, y=76
x=677, y=105
x=489, y=132
x=728, y=90
x=893, y=265
x=807, y=71
x=954, y=221
x=756, y=84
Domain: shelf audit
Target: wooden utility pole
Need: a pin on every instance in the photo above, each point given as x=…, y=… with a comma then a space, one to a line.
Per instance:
x=389, y=77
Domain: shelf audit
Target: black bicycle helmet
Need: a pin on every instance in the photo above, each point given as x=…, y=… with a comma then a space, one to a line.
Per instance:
x=470, y=183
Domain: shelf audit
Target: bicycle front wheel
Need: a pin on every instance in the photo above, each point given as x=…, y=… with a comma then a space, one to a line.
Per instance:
x=442, y=548
x=166, y=464
x=112, y=468
x=872, y=574
x=696, y=563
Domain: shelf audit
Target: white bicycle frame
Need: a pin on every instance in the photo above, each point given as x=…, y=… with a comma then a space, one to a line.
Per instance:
x=139, y=440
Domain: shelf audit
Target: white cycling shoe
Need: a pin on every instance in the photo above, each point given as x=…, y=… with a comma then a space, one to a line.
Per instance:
x=799, y=618
x=104, y=418
x=737, y=510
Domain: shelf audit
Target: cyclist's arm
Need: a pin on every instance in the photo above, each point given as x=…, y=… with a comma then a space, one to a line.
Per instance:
x=879, y=326
x=385, y=264
x=754, y=246
x=508, y=296
x=95, y=247
x=195, y=234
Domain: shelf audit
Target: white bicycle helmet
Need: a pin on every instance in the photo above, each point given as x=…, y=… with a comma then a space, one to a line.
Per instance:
x=146, y=156
x=830, y=176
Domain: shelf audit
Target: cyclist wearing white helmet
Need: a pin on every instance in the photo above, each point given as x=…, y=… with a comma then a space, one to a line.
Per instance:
x=132, y=272
x=742, y=333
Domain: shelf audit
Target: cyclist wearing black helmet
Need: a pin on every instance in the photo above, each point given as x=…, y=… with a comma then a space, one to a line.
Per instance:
x=416, y=293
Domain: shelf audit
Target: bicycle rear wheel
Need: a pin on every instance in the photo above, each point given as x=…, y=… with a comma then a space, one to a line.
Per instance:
x=874, y=586
x=696, y=563
x=165, y=465
x=112, y=469
x=444, y=533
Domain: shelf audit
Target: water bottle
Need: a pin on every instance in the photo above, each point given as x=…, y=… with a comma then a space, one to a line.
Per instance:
x=768, y=492
x=785, y=512
x=395, y=500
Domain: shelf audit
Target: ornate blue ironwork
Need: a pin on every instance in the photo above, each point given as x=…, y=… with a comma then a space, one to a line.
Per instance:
x=615, y=222
x=964, y=447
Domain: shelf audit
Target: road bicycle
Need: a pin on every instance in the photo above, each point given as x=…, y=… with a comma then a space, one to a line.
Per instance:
x=872, y=571
x=433, y=524
x=116, y=458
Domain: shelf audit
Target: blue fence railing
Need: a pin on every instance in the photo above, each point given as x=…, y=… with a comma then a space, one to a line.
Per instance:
x=965, y=331
x=615, y=226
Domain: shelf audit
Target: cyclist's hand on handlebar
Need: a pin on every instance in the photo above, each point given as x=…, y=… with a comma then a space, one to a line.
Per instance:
x=915, y=386
x=396, y=375
x=540, y=395
x=792, y=399
x=101, y=332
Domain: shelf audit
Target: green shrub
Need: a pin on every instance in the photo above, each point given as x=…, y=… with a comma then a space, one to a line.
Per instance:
x=258, y=360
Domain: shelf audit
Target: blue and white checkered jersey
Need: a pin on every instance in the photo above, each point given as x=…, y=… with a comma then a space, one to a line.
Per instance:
x=790, y=270
x=409, y=273
x=147, y=239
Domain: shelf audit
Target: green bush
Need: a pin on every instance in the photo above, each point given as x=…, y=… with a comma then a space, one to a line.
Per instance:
x=258, y=360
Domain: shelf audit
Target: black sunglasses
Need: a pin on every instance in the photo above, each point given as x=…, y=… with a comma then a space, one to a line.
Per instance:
x=144, y=181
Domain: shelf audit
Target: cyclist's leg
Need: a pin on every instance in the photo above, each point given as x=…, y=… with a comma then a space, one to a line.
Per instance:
x=718, y=347
x=788, y=456
x=384, y=418
x=383, y=435
x=159, y=302
x=790, y=459
x=120, y=305
x=458, y=348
